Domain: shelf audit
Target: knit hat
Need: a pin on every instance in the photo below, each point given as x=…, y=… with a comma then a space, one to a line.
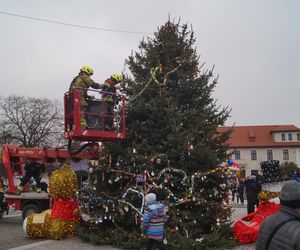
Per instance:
x=150, y=197
x=290, y=194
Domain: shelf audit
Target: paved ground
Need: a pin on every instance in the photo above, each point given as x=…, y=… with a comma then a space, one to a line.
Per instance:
x=11, y=232
x=12, y=236
x=72, y=243
x=238, y=212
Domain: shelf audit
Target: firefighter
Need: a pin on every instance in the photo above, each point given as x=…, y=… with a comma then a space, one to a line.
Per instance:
x=32, y=169
x=110, y=99
x=83, y=80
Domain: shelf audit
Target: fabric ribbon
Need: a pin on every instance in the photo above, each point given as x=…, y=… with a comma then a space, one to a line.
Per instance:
x=246, y=229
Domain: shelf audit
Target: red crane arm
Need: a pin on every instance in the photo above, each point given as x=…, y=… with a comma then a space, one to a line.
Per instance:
x=12, y=153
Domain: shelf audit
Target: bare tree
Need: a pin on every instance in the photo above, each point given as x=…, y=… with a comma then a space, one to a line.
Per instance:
x=31, y=122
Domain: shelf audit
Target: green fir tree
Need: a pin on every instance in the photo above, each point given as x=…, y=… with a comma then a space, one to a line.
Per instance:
x=170, y=109
x=171, y=139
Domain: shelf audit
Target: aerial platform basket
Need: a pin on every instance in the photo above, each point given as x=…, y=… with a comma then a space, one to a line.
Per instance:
x=97, y=118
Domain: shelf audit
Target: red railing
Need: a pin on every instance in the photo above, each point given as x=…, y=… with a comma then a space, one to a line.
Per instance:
x=96, y=116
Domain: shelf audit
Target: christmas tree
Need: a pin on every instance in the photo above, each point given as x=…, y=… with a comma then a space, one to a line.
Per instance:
x=171, y=148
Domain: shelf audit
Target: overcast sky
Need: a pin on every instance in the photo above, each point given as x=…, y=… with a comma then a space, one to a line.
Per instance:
x=254, y=45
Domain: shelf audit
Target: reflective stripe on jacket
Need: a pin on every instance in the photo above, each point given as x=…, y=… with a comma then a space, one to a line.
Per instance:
x=83, y=81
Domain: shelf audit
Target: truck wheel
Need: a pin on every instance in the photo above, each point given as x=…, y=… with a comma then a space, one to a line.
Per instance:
x=29, y=209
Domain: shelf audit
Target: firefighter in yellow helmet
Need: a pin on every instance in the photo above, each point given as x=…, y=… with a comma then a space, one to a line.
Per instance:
x=110, y=99
x=83, y=81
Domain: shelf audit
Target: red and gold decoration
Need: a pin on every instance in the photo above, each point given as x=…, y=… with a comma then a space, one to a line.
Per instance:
x=246, y=229
x=37, y=225
x=265, y=196
x=63, y=218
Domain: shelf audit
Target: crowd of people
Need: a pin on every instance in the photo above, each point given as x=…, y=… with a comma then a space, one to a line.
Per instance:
x=249, y=189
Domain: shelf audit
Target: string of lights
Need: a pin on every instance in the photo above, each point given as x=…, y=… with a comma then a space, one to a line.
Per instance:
x=74, y=25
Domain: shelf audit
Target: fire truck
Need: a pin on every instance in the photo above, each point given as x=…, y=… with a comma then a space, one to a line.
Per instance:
x=14, y=157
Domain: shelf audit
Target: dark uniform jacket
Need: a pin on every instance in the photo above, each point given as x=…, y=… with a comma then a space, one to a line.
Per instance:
x=83, y=81
x=110, y=90
x=287, y=237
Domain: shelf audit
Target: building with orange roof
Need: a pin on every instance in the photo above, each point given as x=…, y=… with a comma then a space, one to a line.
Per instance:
x=251, y=145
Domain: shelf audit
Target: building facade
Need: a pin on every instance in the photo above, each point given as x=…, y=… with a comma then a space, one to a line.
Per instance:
x=250, y=145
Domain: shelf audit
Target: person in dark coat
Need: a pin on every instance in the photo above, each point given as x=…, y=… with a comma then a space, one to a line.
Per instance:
x=252, y=191
x=241, y=191
x=33, y=169
x=286, y=221
x=233, y=189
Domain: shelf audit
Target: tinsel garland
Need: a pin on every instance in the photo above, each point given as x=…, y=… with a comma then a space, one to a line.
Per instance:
x=265, y=196
x=140, y=211
x=174, y=170
x=200, y=211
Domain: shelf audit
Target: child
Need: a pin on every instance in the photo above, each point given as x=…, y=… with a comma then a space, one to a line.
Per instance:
x=153, y=222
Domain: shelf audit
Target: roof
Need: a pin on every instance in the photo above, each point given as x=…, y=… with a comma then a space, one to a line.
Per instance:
x=285, y=128
x=259, y=136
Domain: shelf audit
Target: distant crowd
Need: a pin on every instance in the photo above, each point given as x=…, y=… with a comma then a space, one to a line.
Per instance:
x=248, y=188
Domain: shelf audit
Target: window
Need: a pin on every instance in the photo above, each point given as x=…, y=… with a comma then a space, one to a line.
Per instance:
x=252, y=138
x=298, y=136
x=290, y=135
x=283, y=136
x=253, y=155
x=242, y=173
x=254, y=172
x=269, y=154
x=237, y=154
x=285, y=154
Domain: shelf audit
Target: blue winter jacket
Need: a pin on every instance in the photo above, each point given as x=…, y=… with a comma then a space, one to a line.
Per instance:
x=153, y=220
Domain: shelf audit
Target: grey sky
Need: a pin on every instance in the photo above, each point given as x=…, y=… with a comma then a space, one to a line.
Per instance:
x=254, y=44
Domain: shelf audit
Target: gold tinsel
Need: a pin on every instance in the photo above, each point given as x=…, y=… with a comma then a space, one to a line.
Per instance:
x=72, y=227
x=265, y=196
x=58, y=229
x=38, y=230
x=63, y=184
x=49, y=228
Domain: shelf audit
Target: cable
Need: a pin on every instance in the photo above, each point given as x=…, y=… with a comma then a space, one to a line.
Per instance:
x=73, y=25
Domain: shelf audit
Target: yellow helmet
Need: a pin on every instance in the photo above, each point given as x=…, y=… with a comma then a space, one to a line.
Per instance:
x=87, y=70
x=117, y=77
